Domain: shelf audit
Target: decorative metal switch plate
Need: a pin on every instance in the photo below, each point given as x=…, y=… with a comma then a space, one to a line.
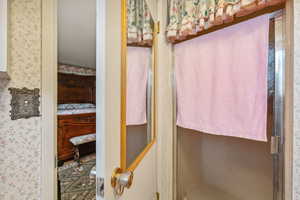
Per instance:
x=25, y=103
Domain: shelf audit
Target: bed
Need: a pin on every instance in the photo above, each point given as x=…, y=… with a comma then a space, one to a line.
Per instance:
x=76, y=113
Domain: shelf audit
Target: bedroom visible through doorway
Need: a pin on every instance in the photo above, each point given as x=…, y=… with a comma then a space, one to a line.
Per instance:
x=76, y=100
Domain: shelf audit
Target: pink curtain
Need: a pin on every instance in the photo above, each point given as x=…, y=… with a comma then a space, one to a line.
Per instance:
x=138, y=60
x=221, y=81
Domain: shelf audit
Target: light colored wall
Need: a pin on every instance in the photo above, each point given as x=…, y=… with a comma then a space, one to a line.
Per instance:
x=165, y=131
x=236, y=168
x=77, y=32
x=20, y=140
x=296, y=174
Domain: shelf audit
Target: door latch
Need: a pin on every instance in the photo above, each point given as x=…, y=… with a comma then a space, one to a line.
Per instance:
x=121, y=180
x=275, y=141
x=100, y=186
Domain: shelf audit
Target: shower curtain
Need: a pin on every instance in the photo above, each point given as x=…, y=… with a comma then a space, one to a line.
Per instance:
x=221, y=81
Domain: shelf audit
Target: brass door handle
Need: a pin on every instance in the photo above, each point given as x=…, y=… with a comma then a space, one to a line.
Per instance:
x=121, y=180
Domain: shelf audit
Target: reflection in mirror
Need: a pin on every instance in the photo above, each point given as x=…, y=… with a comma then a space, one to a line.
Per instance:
x=139, y=79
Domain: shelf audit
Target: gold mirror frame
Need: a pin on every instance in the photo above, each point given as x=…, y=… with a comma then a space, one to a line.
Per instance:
x=136, y=162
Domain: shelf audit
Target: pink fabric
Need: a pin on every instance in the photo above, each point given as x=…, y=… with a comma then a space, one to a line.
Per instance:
x=138, y=60
x=221, y=81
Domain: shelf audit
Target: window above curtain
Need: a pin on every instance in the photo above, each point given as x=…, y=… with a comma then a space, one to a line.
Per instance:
x=139, y=23
x=190, y=17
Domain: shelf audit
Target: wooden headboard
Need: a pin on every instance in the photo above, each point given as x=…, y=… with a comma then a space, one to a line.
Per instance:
x=76, y=89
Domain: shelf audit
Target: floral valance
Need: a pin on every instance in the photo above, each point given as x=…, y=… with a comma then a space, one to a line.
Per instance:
x=189, y=17
x=139, y=22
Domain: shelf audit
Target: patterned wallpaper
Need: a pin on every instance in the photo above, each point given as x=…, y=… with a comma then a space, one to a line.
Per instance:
x=297, y=101
x=20, y=140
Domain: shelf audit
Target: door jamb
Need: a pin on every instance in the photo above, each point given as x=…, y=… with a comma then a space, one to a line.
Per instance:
x=100, y=94
x=288, y=100
x=49, y=100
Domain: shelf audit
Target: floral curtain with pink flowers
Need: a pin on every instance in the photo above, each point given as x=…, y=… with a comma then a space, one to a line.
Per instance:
x=189, y=17
x=139, y=22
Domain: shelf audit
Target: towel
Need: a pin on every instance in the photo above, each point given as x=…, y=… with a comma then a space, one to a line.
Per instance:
x=138, y=60
x=221, y=81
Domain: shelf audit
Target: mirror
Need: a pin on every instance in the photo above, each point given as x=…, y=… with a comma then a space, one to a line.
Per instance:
x=137, y=123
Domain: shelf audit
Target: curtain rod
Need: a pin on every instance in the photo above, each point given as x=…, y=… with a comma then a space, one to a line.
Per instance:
x=274, y=11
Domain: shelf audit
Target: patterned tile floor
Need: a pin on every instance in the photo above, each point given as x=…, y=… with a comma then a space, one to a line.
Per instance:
x=76, y=183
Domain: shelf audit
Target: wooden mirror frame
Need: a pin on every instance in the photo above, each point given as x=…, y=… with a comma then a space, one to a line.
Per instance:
x=139, y=158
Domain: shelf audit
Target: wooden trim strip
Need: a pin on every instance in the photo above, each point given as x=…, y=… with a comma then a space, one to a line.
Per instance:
x=123, y=85
x=137, y=161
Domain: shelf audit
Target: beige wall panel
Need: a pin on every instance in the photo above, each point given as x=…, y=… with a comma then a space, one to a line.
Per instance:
x=296, y=174
x=20, y=140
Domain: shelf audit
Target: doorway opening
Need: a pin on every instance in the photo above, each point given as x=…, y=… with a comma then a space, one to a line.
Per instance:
x=76, y=99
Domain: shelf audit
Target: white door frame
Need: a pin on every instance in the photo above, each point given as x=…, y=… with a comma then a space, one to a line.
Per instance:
x=49, y=100
x=100, y=93
x=49, y=96
x=289, y=100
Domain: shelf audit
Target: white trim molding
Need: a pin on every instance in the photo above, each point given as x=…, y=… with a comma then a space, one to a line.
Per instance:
x=166, y=127
x=49, y=100
x=100, y=94
x=3, y=38
x=289, y=100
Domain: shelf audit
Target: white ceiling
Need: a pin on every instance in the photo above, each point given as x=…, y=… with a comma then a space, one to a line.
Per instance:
x=77, y=32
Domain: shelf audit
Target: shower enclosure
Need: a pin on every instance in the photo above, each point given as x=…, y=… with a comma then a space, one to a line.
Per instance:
x=215, y=167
